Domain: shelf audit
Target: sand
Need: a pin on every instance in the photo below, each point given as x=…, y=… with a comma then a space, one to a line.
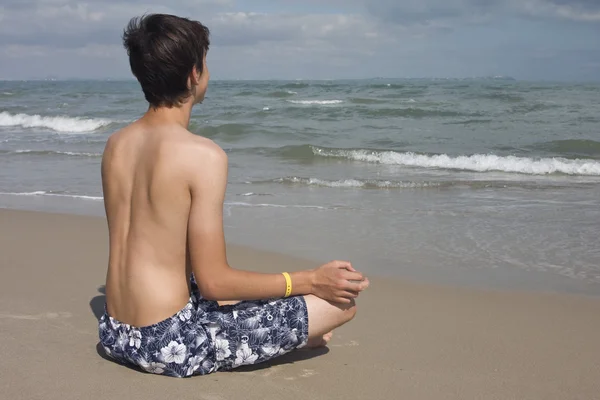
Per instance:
x=408, y=341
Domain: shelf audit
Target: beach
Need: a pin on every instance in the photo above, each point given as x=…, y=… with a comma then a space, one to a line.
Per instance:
x=409, y=340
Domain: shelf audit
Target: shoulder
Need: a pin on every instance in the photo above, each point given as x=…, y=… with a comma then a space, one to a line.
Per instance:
x=115, y=139
x=110, y=148
x=197, y=150
x=203, y=161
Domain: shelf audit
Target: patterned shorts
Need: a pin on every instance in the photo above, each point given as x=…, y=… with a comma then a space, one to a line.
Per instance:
x=203, y=337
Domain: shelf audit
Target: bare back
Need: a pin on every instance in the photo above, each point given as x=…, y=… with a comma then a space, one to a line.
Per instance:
x=147, y=203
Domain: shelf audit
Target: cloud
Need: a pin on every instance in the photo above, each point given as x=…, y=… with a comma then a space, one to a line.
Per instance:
x=310, y=38
x=467, y=11
x=578, y=10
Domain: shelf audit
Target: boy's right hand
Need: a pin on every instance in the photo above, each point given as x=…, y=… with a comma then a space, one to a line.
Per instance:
x=338, y=282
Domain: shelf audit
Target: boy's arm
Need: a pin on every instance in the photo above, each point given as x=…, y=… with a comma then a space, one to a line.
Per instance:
x=216, y=279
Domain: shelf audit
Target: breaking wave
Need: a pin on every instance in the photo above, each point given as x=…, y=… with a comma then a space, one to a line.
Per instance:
x=58, y=124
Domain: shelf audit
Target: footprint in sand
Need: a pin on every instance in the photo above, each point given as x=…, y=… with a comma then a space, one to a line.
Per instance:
x=307, y=373
x=50, y=315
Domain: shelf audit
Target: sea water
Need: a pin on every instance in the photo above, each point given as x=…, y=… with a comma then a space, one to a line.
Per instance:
x=488, y=182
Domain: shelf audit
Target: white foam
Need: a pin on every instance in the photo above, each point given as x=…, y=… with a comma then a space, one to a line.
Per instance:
x=291, y=92
x=266, y=109
x=477, y=162
x=58, y=124
x=243, y=204
x=38, y=193
x=355, y=183
x=66, y=153
x=252, y=194
x=316, y=102
x=43, y=193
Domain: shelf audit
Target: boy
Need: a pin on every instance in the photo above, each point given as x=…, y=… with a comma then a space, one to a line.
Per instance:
x=174, y=306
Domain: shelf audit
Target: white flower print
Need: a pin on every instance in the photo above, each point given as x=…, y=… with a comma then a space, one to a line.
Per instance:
x=135, y=339
x=175, y=326
x=114, y=324
x=174, y=353
x=251, y=322
x=212, y=329
x=222, y=347
x=244, y=356
x=270, y=350
x=260, y=335
x=193, y=365
x=186, y=313
x=122, y=340
x=200, y=338
x=154, y=368
x=299, y=319
x=208, y=366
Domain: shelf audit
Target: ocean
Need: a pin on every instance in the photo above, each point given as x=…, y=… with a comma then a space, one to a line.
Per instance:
x=486, y=182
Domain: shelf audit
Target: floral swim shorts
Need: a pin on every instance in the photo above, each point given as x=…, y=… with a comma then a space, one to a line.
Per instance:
x=204, y=337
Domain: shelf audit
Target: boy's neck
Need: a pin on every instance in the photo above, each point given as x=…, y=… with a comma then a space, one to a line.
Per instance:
x=175, y=115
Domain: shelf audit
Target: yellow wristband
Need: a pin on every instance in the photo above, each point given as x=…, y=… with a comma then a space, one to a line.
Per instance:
x=288, y=284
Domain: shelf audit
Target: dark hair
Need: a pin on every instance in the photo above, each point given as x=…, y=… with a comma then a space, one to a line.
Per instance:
x=163, y=50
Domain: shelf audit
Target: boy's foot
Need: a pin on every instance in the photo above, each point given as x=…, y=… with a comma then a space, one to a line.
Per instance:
x=319, y=341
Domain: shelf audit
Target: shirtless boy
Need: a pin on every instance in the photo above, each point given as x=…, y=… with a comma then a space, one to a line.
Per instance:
x=174, y=306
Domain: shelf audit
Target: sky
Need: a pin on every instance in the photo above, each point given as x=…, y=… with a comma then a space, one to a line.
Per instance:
x=557, y=40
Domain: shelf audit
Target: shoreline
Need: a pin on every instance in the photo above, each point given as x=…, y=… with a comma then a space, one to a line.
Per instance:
x=471, y=278
x=409, y=340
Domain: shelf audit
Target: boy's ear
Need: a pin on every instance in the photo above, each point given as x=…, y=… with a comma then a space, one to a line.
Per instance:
x=194, y=78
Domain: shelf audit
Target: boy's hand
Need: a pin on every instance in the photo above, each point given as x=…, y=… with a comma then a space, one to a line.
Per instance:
x=338, y=282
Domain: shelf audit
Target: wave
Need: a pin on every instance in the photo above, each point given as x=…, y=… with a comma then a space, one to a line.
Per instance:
x=252, y=194
x=476, y=162
x=50, y=153
x=58, y=124
x=374, y=184
x=244, y=204
x=50, y=194
x=99, y=198
x=315, y=102
x=356, y=183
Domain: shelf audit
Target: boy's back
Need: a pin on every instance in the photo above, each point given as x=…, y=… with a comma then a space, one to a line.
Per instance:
x=147, y=200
